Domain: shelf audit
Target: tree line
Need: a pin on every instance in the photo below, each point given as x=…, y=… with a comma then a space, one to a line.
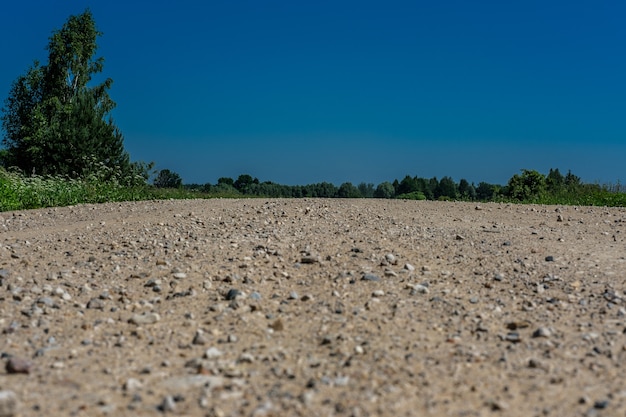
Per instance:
x=528, y=186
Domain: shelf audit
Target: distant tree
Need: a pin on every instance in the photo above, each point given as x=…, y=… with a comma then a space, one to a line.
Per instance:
x=243, y=183
x=447, y=188
x=407, y=185
x=396, y=186
x=347, y=190
x=225, y=180
x=555, y=181
x=432, y=189
x=485, y=191
x=572, y=181
x=167, y=179
x=384, y=190
x=55, y=123
x=528, y=186
x=467, y=190
x=366, y=190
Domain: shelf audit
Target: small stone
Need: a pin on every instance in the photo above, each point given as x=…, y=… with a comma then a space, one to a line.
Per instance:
x=293, y=295
x=498, y=277
x=370, y=277
x=17, y=365
x=199, y=338
x=473, y=300
x=212, y=353
x=132, y=385
x=378, y=293
x=601, y=404
x=419, y=289
x=460, y=237
x=144, y=318
x=9, y=404
x=277, y=325
x=513, y=337
x=307, y=297
x=96, y=304
x=179, y=275
x=390, y=257
x=409, y=267
x=233, y=294
x=46, y=301
x=550, y=258
x=542, y=332
x=309, y=259
x=168, y=404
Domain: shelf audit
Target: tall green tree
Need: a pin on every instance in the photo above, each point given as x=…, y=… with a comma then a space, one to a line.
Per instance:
x=55, y=121
x=528, y=186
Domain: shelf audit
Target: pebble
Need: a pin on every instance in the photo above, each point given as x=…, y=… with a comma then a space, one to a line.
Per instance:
x=233, y=294
x=542, y=332
x=95, y=304
x=9, y=404
x=168, y=404
x=550, y=258
x=132, y=385
x=409, y=267
x=419, y=289
x=17, y=365
x=144, y=318
x=199, y=338
x=390, y=257
x=370, y=277
x=212, y=353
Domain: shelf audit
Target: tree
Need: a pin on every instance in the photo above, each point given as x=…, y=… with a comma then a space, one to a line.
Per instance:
x=555, y=181
x=366, y=190
x=348, y=190
x=447, y=188
x=528, y=186
x=384, y=190
x=243, y=183
x=467, y=190
x=167, y=179
x=485, y=191
x=407, y=185
x=55, y=123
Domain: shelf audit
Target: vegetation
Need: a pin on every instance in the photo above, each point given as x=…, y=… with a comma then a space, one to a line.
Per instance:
x=61, y=147
x=57, y=124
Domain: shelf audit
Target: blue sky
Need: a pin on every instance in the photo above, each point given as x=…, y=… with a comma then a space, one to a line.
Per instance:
x=298, y=92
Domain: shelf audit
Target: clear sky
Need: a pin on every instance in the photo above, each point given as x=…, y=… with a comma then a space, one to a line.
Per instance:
x=298, y=92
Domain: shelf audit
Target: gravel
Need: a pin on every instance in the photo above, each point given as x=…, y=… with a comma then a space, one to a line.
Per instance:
x=312, y=307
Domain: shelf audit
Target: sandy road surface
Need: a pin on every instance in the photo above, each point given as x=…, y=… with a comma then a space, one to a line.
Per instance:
x=313, y=307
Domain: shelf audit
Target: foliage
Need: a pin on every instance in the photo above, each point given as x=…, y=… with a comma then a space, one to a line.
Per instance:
x=348, y=190
x=384, y=190
x=55, y=123
x=415, y=195
x=530, y=186
x=366, y=190
x=167, y=179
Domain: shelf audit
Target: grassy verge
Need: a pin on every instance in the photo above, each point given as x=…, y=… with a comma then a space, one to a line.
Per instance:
x=18, y=192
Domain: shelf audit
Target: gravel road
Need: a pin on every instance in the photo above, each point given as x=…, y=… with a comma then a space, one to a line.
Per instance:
x=313, y=307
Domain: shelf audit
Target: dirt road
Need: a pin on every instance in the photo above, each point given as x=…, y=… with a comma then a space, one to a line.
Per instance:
x=313, y=308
